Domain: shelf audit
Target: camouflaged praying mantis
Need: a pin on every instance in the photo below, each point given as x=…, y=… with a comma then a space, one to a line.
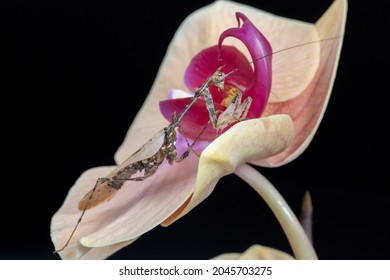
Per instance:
x=162, y=145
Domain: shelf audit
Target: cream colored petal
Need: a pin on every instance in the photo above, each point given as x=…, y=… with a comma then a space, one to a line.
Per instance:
x=293, y=69
x=308, y=109
x=227, y=256
x=245, y=141
x=65, y=219
x=134, y=210
x=99, y=253
x=256, y=252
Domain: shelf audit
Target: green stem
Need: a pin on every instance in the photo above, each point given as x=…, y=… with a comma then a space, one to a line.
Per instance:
x=297, y=237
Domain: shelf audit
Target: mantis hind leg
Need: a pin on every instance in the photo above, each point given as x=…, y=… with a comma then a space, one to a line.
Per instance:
x=190, y=146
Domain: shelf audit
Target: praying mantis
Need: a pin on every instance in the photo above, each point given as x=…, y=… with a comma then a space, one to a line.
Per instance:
x=162, y=145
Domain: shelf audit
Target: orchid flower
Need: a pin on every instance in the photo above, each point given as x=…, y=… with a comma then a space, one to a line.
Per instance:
x=282, y=120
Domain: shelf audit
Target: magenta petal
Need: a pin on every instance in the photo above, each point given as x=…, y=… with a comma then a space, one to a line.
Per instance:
x=260, y=51
x=204, y=64
x=194, y=120
x=240, y=76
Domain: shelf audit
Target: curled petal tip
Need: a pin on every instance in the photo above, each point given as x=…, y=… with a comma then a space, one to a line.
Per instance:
x=245, y=141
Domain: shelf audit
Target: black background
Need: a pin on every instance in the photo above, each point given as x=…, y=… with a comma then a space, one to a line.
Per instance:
x=76, y=73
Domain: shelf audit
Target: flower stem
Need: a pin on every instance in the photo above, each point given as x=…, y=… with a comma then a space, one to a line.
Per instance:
x=299, y=241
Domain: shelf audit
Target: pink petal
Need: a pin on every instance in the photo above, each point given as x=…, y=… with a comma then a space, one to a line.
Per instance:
x=308, y=108
x=137, y=208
